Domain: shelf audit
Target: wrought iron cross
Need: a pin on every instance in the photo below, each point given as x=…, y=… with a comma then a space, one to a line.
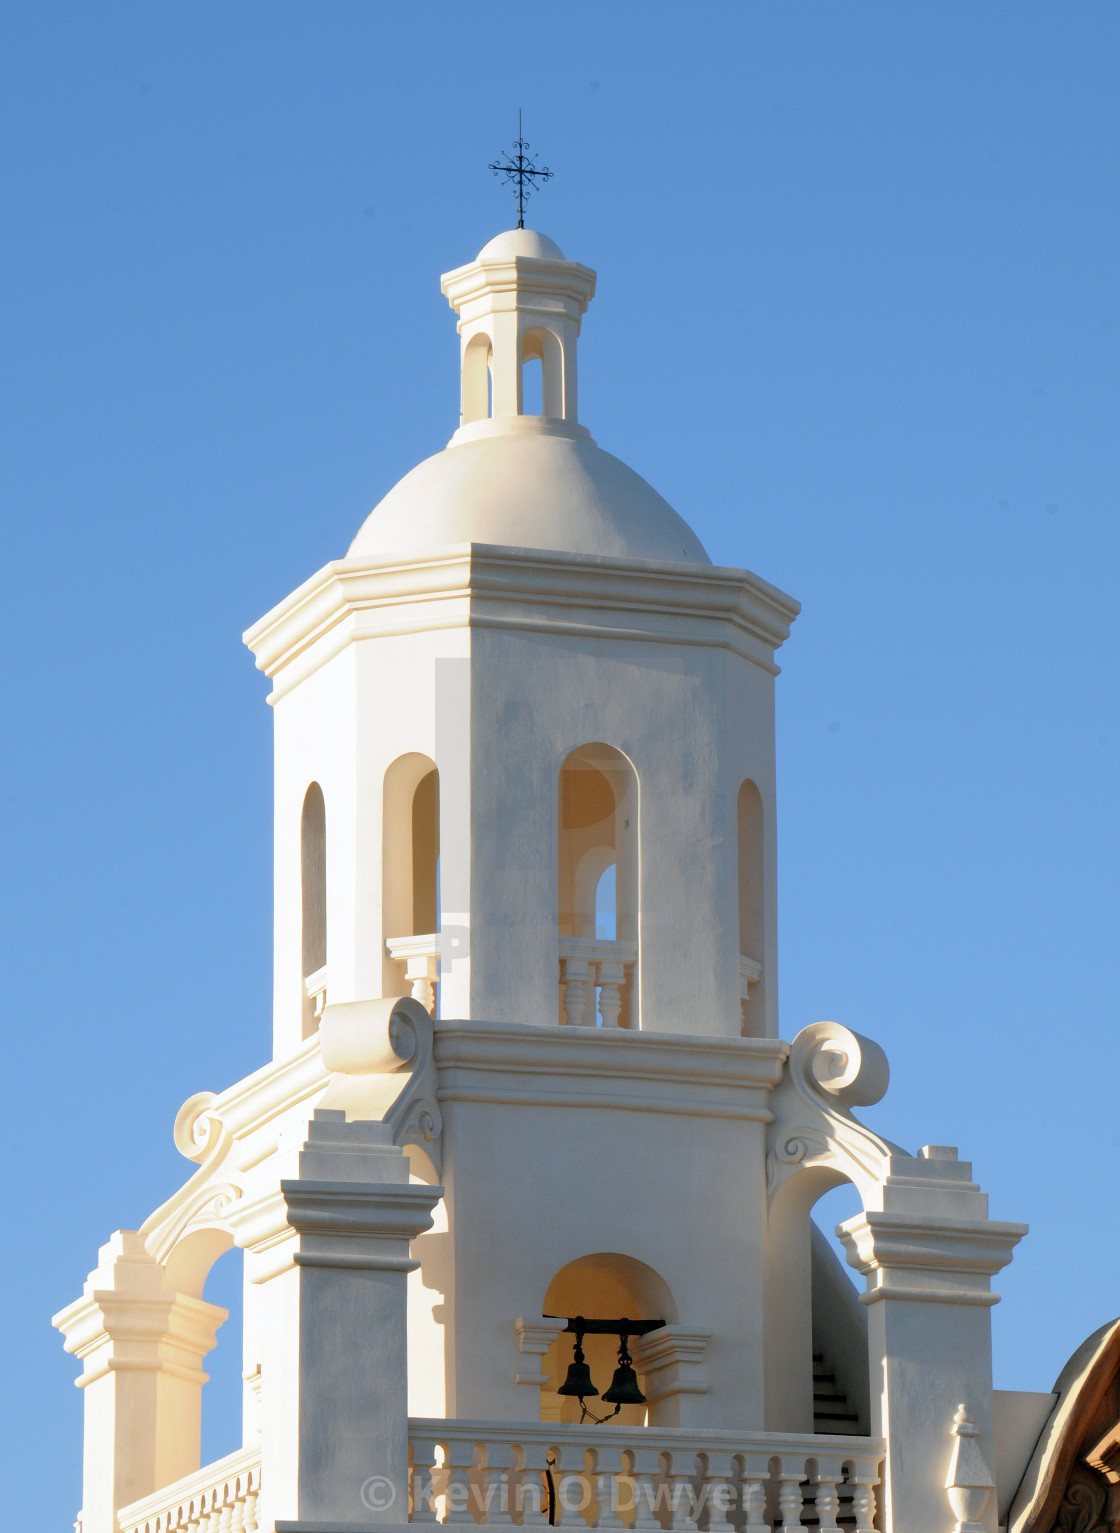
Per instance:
x=521, y=172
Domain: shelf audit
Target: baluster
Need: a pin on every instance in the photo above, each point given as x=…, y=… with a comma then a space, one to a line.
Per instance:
x=225, y=1516
x=577, y=976
x=250, y=1518
x=501, y=1486
x=675, y=1490
x=863, y=1501
x=642, y=1465
x=458, y=1458
x=754, y=1504
x=529, y=1506
x=789, y=1496
x=237, y=1512
x=422, y=1458
x=611, y=977
x=719, y=1490
x=608, y=1468
x=824, y=1478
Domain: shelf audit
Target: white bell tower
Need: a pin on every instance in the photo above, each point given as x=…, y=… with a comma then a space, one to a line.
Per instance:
x=530, y=1132
x=524, y=678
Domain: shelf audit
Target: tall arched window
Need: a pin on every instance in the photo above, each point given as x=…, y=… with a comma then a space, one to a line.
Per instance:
x=313, y=880
x=597, y=895
x=410, y=878
x=751, y=912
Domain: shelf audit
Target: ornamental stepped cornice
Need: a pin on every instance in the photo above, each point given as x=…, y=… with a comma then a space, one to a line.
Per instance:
x=484, y=585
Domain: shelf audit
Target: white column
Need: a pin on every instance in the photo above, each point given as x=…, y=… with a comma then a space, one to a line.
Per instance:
x=930, y=1348
x=330, y=1244
x=142, y=1348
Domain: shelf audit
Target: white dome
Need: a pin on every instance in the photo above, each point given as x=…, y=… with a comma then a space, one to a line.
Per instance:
x=521, y=242
x=530, y=490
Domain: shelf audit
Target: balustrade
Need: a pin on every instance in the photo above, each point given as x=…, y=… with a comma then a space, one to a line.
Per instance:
x=589, y=965
x=420, y=956
x=219, y=1498
x=642, y=1479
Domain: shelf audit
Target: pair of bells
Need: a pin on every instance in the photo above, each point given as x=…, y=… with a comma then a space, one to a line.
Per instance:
x=624, y=1388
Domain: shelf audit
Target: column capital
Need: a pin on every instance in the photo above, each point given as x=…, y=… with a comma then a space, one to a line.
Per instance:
x=126, y=1320
x=928, y=1258
x=350, y=1204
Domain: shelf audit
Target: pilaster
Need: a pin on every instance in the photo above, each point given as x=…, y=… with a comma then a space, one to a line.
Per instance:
x=929, y=1306
x=671, y=1361
x=330, y=1245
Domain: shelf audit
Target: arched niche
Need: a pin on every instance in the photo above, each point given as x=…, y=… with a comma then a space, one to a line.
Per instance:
x=410, y=852
x=598, y=828
x=752, y=932
x=605, y=1285
x=812, y=1309
x=545, y=346
x=313, y=890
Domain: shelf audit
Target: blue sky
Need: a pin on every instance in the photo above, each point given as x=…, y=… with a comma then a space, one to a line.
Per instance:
x=857, y=320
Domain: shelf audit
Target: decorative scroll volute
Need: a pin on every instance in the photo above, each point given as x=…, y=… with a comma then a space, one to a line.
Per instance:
x=830, y=1070
x=367, y=1046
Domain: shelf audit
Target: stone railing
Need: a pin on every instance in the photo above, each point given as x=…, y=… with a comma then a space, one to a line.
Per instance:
x=220, y=1496
x=420, y=956
x=645, y=1479
x=588, y=964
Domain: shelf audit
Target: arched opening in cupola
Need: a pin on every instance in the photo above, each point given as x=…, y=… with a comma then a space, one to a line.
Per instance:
x=313, y=885
x=604, y=1286
x=542, y=374
x=752, y=911
x=597, y=894
x=410, y=894
x=478, y=355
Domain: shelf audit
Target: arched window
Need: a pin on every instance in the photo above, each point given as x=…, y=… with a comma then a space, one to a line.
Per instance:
x=751, y=912
x=410, y=878
x=313, y=880
x=597, y=895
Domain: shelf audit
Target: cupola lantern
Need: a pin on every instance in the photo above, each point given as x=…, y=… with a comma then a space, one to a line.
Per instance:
x=519, y=301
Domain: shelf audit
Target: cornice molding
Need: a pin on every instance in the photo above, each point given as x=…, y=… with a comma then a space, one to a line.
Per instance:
x=682, y=1074
x=477, y=585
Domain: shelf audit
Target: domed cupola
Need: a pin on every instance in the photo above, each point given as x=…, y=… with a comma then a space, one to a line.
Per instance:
x=524, y=479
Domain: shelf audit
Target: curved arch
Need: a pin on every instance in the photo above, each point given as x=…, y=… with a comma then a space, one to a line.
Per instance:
x=812, y=1308
x=187, y=1265
x=546, y=345
x=604, y=1285
x=478, y=355
x=815, y=1144
x=313, y=889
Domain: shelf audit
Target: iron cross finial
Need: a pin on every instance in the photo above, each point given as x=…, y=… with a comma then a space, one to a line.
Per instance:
x=521, y=172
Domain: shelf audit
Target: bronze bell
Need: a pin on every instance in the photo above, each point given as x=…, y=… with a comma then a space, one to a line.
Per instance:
x=578, y=1382
x=624, y=1387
